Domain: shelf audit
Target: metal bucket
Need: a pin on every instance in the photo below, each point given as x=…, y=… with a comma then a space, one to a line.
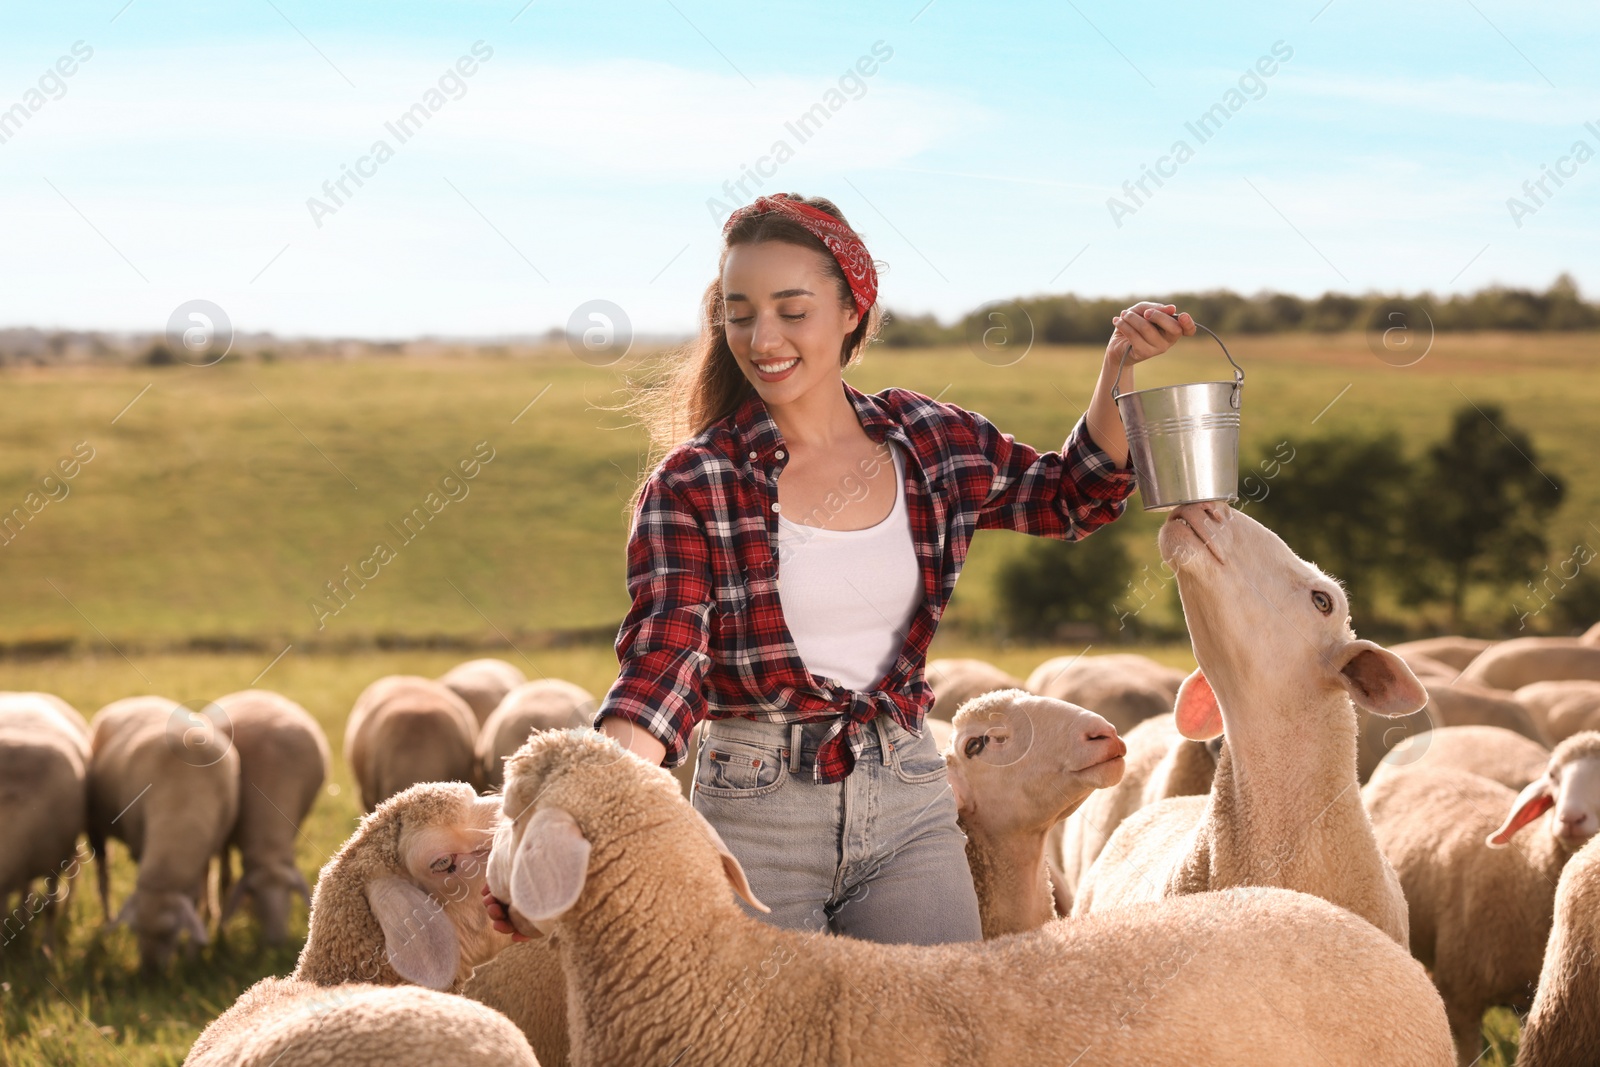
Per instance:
x=1184, y=439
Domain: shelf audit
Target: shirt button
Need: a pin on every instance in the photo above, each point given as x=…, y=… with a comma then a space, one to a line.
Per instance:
x=778, y=454
x=774, y=505
x=752, y=455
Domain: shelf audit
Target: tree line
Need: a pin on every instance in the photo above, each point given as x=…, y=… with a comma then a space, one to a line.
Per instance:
x=1070, y=319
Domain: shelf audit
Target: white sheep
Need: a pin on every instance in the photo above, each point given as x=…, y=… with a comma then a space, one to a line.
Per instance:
x=1449, y=704
x=1562, y=708
x=44, y=761
x=401, y=900
x=285, y=1022
x=1453, y=651
x=283, y=763
x=1280, y=668
x=1018, y=765
x=482, y=683
x=545, y=704
x=405, y=729
x=1563, y=1029
x=1498, y=755
x=662, y=966
x=1480, y=915
x=1525, y=660
x=526, y=984
x=165, y=781
x=1160, y=763
x=956, y=681
x=1591, y=636
x=1123, y=688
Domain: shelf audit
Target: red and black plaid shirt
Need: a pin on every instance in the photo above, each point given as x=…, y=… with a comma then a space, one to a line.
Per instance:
x=705, y=637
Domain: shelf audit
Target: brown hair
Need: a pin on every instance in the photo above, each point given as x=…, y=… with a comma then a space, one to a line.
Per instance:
x=702, y=383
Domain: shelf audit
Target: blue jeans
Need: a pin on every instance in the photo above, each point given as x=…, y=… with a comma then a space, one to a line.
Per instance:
x=877, y=856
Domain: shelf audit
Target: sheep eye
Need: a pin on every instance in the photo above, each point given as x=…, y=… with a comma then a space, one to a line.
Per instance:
x=975, y=745
x=1323, y=602
x=443, y=865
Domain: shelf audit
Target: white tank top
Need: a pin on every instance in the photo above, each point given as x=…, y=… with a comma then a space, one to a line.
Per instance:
x=848, y=596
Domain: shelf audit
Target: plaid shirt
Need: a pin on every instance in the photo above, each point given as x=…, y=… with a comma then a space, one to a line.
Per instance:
x=705, y=637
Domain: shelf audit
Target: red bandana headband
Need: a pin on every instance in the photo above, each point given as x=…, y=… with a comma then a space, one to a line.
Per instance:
x=840, y=239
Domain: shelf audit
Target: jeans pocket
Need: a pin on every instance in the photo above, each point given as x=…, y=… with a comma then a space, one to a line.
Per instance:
x=917, y=760
x=729, y=769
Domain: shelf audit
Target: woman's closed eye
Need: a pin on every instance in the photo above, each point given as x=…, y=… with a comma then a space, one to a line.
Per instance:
x=751, y=318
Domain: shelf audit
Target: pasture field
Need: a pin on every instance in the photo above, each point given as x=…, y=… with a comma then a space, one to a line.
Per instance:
x=219, y=500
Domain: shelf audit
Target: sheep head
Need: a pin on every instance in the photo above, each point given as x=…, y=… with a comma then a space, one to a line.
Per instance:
x=400, y=902
x=1569, y=789
x=159, y=919
x=1264, y=621
x=575, y=799
x=1020, y=762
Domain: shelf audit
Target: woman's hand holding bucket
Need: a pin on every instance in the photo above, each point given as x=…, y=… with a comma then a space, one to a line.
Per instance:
x=1150, y=327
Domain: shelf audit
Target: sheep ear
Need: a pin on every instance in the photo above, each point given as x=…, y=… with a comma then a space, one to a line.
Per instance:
x=1379, y=681
x=192, y=923
x=418, y=937
x=1534, y=800
x=730, y=865
x=1196, y=711
x=549, y=867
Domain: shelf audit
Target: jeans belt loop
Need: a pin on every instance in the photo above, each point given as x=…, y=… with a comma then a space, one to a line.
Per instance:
x=795, y=735
x=885, y=746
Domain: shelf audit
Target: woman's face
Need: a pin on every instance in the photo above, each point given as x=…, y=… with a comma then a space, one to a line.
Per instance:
x=783, y=317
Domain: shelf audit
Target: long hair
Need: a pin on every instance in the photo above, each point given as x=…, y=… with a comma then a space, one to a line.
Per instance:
x=702, y=381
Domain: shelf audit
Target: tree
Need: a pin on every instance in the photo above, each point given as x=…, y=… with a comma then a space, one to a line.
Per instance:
x=1477, y=515
x=1340, y=501
x=1050, y=584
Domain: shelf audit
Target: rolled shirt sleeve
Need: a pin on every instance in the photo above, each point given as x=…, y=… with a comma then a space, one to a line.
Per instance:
x=1063, y=495
x=663, y=642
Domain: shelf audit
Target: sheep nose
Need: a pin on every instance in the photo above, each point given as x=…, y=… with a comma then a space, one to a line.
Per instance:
x=1100, y=736
x=1572, y=823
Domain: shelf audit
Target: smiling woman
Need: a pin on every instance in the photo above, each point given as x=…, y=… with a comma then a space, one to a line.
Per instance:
x=790, y=557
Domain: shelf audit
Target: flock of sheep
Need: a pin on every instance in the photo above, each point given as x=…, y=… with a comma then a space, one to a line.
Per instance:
x=1209, y=882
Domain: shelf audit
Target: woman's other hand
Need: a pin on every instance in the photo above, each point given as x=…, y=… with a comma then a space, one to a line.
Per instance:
x=1150, y=327
x=499, y=918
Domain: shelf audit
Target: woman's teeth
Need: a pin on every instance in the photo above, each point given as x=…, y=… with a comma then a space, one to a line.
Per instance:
x=776, y=368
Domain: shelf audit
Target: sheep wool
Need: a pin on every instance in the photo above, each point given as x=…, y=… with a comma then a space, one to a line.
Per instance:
x=1563, y=1029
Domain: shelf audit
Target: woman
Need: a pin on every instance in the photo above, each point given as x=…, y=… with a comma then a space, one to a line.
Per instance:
x=790, y=558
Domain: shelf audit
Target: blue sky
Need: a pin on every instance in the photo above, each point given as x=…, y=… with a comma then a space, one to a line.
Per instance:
x=577, y=161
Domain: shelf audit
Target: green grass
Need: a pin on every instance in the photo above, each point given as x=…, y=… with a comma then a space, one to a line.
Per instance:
x=218, y=504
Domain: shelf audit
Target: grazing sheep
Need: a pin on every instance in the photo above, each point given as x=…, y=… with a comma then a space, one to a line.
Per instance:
x=1496, y=754
x=1160, y=763
x=1454, y=652
x=1431, y=670
x=662, y=966
x=400, y=902
x=1279, y=669
x=1019, y=764
x=1457, y=704
x=284, y=1022
x=1525, y=660
x=956, y=681
x=1563, y=1029
x=404, y=730
x=1122, y=688
x=283, y=762
x=169, y=789
x=482, y=683
x=526, y=984
x=547, y=704
x=44, y=800
x=1562, y=708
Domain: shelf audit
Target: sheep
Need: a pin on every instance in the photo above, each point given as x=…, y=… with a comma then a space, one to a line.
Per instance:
x=1496, y=754
x=1454, y=652
x=547, y=704
x=283, y=762
x=168, y=787
x=1562, y=1030
x=1525, y=660
x=1160, y=763
x=416, y=859
x=44, y=762
x=662, y=965
x=1480, y=915
x=1279, y=668
x=956, y=681
x=404, y=730
x=482, y=683
x=1019, y=764
x=1430, y=669
x=1123, y=688
x=1591, y=636
x=1457, y=704
x=1562, y=708
x=526, y=984
x=284, y=1021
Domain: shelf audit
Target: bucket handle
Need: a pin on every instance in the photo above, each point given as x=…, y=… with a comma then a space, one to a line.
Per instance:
x=1238, y=371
